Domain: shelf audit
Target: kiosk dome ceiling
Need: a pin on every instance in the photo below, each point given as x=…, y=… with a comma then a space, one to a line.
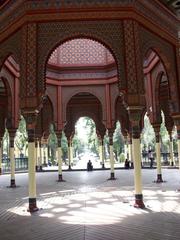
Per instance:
x=81, y=52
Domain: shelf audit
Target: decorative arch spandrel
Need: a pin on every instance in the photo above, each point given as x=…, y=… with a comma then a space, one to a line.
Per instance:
x=51, y=35
x=166, y=53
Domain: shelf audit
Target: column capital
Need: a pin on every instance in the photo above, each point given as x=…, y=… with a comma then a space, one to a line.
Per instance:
x=12, y=133
x=110, y=134
x=135, y=114
x=157, y=127
x=31, y=118
x=59, y=136
x=100, y=139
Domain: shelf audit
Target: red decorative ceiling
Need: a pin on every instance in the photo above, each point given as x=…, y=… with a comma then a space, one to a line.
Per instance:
x=81, y=52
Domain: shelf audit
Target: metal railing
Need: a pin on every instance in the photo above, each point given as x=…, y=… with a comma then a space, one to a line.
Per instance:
x=21, y=164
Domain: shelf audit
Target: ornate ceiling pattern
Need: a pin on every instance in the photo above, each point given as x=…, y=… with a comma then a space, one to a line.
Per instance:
x=81, y=52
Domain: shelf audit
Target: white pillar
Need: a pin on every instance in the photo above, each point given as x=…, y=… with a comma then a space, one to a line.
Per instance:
x=131, y=154
x=137, y=166
x=32, y=177
x=36, y=155
x=111, y=161
x=12, y=165
x=172, y=162
x=39, y=156
x=137, y=172
x=70, y=153
x=46, y=154
x=178, y=142
x=101, y=152
x=0, y=158
x=59, y=160
x=158, y=160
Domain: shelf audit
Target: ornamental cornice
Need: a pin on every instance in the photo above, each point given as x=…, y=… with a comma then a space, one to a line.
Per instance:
x=21, y=11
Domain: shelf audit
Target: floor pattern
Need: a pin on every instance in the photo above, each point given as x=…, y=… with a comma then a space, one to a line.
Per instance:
x=88, y=207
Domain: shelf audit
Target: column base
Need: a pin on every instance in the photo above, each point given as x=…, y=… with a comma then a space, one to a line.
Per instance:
x=40, y=169
x=0, y=171
x=12, y=183
x=139, y=201
x=112, y=177
x=159, y=179
x=32, y=205
x=60, y=178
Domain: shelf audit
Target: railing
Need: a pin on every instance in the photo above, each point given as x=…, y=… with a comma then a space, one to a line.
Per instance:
x=165, y=158
x=21, y=164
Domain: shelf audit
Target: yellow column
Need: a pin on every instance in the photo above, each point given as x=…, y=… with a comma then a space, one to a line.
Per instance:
x=12, y=164
x=46, y=154
x=41, y=156
x=101, y=152
x=158, y=154
x=158, y=159
x=69, y=153
x=59, y=161
x=178, y=142
x=0, y=157
x=31, y=170
x=131, y=154
x=137, y=173
x=103, y=163
x=111, y=161
x=36, y=154
x=59, y=151
x=135, y=113
x=31, y=117
x=126, y=148
x=12, y=158
x=32, y=177
x=172, y=162
x=111, y=154
x=137, y=167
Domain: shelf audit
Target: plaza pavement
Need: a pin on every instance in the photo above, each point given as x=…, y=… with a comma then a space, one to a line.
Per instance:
x=88, y=207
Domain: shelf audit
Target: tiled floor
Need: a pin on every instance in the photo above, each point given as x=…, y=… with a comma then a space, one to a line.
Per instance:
x=88, y=207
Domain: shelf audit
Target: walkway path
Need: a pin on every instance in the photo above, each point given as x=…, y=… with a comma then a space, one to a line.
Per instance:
x=87, y=207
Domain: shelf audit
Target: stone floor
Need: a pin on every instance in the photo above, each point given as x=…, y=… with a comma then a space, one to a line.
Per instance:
x=88, y=207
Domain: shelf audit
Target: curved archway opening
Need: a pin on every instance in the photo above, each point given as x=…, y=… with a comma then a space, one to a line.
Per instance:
x=85, y=144
x=5, y=104
x=9, y=75
x=157, y=87
x=80, y=65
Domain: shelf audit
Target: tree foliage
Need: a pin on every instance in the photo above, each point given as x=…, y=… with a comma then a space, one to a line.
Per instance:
x=118, y=141
x=21, y=139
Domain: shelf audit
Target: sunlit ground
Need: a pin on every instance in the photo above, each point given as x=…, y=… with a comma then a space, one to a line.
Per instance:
x=88, y=207
x=100, y=207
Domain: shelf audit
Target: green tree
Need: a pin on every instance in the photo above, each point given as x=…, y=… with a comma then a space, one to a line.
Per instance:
x=118, y=141
x=148, y=135
x=5, y=143
x=78, y=145
x=64, y=146
x=92, y=139
x=52, y=144
x=21, y=137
